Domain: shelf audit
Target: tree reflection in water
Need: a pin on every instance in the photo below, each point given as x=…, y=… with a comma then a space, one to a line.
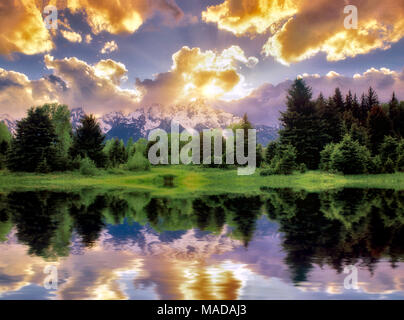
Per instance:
x=335, y=228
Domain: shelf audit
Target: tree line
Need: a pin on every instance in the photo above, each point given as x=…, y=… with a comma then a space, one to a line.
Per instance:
x=348, y=134
x=45, y=142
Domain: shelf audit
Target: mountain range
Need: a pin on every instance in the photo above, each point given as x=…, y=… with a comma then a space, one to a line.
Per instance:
x=196, y=115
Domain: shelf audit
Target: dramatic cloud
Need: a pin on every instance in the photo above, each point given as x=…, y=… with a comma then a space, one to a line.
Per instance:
x=109, y=47
x=264, y=104
x=196, y=74
x=73, y=82
x=94, y=87
x=122, y=16
x=71, y=36
x=249, y=17
x=115, y=71
x=22, y=28
x=299, y=29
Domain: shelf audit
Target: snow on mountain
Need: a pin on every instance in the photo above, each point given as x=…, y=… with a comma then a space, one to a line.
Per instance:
x=137, y=124
x=9, y=121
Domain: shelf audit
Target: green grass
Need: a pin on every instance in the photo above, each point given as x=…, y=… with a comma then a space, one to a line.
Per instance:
x=191, y=179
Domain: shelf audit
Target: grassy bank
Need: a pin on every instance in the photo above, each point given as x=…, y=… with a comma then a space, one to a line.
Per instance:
x=190, y=179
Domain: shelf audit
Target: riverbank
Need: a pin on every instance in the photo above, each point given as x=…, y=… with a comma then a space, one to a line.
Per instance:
x=183, y=180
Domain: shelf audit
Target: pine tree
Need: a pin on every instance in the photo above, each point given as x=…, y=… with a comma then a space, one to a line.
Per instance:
x=371, y=99
x=130, y=149
x=363, y=110
x=88, y=141
x=339, y=101
x=349, y=157
x=389, y=149
x=117, y=154
x=349, y=101
x=356, y=108
x=34, y=143
x=325, y=163
x=379, y=126
x=259, y=155
x=246, y=125
x=271, y=151
x=331, y=123
x=394, y=115
x=60, y=118
x=301, y=125
x=5, y=141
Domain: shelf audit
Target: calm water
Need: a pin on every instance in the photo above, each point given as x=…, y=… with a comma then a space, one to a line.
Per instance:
x=281, y=244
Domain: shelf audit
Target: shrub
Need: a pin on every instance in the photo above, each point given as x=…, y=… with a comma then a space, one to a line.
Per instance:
x=325, y=162
x=389, y=149
x=400, y=163
x=271, y=151
x=375, y=165
x=349, y=157
x=302, y=168
x=287, y=161
x=43, y=166
x=87, y=167
x=283, y=163
x=389, y=166
x=138, y=162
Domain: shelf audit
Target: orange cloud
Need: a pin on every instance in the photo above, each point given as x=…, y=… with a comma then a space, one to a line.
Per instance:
x=109, y=47
x=22, y=28
x=300, y=29
x=122, y=16
x=196, y=74
x=249, y=16
x=71, y=36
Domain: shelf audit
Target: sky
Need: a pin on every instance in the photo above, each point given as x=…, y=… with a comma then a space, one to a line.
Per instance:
x=238, y=55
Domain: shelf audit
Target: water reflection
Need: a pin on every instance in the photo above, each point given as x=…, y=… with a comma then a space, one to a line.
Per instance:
x=279, y=244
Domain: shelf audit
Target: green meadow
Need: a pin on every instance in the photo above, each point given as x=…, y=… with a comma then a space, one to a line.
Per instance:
x=186, y=180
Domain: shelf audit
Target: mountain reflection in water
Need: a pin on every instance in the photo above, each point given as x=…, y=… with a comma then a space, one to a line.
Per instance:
x=281, y=244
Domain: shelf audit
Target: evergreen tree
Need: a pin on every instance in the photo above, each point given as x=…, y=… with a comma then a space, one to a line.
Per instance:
x=284, y=161
x=389, y=149
x=287, y=162
x=371, y=99
x=379, y=126
x=338, y=101
x=34, y=144
x=271, y=151
x=363, y=110
x=301, y=125
x=349, y=101
x=325, y=163
x=331, y=122
x=130, y=149
x=259, y=155
x=394, y=115
x=349, y=157
x=88, y=141
x=245, y=125
x=356, y=108
x=60, y=118
x=5, y=141
x=117, y=154
x=359, y=133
